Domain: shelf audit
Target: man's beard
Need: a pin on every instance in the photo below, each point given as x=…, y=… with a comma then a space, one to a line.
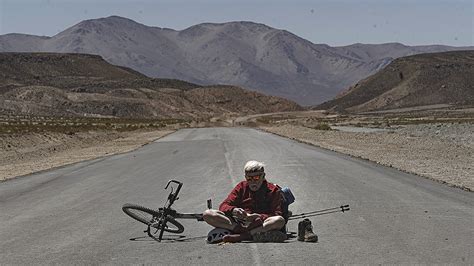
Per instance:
x=254, y=187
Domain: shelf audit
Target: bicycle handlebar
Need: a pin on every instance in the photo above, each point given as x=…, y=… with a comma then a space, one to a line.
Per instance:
x=174, y=181
x=173, y=196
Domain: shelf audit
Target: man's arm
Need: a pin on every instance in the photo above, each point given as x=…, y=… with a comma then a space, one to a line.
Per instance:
x=231, y=201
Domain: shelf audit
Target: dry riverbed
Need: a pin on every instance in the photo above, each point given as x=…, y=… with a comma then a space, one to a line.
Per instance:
x=22, y=154
x=443, y=152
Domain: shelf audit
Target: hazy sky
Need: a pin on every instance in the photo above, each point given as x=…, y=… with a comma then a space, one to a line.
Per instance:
x=338, y=22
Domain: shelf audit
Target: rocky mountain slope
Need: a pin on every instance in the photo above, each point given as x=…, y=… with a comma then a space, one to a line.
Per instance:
x=246, y=54
x=425, y=79
x=46, y=84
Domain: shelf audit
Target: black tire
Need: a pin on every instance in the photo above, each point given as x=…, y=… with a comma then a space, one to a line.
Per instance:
x=148, y=217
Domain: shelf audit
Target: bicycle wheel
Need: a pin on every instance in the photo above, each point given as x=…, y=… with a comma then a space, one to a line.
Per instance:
x=151, y=217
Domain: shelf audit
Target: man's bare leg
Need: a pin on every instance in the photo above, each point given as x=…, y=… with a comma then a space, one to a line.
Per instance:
x=218, y=219
x=271, y=223
x=274, y=223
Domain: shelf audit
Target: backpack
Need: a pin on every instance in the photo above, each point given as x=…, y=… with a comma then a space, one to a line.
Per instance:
x=288, y=198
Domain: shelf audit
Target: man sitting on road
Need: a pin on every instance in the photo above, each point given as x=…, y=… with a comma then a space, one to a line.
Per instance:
x=252, y=211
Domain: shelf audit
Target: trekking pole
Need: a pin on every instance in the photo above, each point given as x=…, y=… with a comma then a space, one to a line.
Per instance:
x=342, y=208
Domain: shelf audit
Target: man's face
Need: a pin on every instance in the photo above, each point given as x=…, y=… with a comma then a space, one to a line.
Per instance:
x=255, y=180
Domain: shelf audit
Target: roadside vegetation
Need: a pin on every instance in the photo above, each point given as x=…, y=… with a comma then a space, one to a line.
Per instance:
x=324, y=121
x=35, y=124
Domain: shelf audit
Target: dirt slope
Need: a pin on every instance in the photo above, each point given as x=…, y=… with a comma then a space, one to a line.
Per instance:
x=47, y=84
x=426, y=79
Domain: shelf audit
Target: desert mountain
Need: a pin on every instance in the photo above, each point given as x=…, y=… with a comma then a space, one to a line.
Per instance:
x=424, y=79
x=47, y=84
x=247, y=54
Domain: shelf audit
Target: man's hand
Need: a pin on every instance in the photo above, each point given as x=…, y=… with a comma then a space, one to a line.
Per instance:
x=251, y=217
x=239, y=214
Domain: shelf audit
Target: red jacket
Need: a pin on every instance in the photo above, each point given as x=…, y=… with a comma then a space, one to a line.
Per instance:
x=266, y=201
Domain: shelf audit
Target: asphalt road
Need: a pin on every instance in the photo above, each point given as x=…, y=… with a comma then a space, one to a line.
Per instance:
x=73, y=214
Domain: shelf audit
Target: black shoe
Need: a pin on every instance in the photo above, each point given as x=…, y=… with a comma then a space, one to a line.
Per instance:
x=301, y=228
x=305, y=231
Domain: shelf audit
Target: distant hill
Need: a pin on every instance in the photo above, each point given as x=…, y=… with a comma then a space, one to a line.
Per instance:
x=425, y=79
x=247, y=54
x=48, y=84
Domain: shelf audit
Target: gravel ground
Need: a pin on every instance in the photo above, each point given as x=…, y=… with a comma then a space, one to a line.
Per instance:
x=22, y=154
x=442, y=152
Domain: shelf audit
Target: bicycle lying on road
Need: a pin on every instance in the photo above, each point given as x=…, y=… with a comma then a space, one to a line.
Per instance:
x=164, y=219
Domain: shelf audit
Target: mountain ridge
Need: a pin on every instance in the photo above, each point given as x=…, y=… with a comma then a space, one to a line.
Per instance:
x=242, y=53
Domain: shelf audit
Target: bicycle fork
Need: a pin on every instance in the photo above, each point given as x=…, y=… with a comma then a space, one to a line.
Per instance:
x=161, y=226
